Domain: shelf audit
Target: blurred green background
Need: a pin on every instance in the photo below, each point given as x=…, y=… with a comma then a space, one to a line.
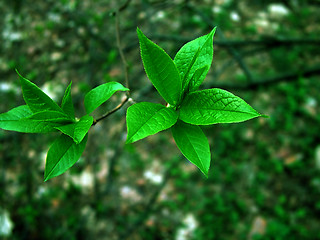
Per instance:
x=264, y=180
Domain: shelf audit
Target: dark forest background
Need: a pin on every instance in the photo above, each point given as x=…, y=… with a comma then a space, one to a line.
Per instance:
x=264, y=179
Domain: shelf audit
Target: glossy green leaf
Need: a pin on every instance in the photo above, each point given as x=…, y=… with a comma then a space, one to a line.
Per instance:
x=51, y=116
x=194, y=81
x=18, y=119
x=67, y=105
x=194, y=55
x=186, y=79
x=100, y=94
x=77, y=131
x=145, y=119
x=160, y=69
x=62, y=155
x=35, y=98
x=212, y=106
x=193, y=144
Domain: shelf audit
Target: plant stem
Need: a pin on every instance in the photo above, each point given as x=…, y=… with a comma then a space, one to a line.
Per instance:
x=111, y=111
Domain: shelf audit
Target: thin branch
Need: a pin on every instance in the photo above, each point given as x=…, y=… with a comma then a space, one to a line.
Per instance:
x=232, y=51
x=112, y=164
x=124, y=62
x=266, y=41
x=123, y=58
x=149, y=206
x=111, y=111
x=218, y=72
x=121, y=8
x=147, y=210
x=288, y=77
x=270, y=41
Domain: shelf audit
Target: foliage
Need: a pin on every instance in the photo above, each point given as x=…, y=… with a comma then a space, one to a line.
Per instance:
x=178, y=82
x=265, y=169
x=42, y=115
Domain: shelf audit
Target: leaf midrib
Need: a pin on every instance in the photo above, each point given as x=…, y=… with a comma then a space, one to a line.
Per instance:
x=223, y=110
x=193, y=148
x=163, y=89
x=145, y=123
x=59, y=160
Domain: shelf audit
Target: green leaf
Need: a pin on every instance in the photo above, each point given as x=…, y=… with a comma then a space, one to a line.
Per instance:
x=18, y=119
x=186, y=79
x=100, y=94
x=51, y=116
x=62, y=155
x=194, y=55
x=35, y=98
x=77, y=131
x=193, y=144
x=160, y=69
x=215, y=105
x=145, y=119
x=194, y=81
x=67, y=105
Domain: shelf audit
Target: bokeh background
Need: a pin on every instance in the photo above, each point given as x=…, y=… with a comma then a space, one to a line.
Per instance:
x=264, y=180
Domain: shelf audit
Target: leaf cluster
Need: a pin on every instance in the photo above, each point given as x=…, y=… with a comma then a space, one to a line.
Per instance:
x=42, y=115
x=178, y=81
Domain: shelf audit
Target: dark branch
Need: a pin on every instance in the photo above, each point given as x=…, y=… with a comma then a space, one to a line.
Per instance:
x=111, y=111
x=124, y=62
x=147, y=209
x=112, y=164
x=123, y=58
x=232, y=51
x=266, y=41
x=288, y=77
x=121, y=8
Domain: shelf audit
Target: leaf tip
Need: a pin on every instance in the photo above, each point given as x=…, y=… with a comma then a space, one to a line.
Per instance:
x=205, y=172
x=133, y=139
x=129, y=140
x=141, y=35
x=213, y=31
x=45, y=178
x=18, y=73
x=139, y=32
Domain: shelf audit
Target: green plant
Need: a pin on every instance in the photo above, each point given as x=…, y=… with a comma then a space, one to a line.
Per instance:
x=176, y=80
x=42, y=115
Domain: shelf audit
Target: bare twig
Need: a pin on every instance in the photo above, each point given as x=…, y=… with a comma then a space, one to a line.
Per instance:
x=288, y=77
x=230, y=49
x=270, y=41
x=112, y=164
x=264, y=41
x=124, y=62
x=111, y=111
x=121, y=8
x=149, y=207
x=123, y=58
x=147, y=210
